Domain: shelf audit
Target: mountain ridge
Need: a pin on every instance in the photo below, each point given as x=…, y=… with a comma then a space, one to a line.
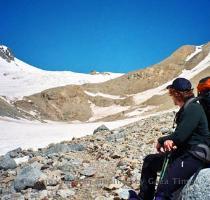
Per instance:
x=138, y=91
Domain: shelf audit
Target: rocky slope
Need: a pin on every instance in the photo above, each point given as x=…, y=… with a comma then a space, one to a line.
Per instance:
x=163, y=102
x=122, y=96
x=67, y=103
x=101, y=166
x=9, y=110
x=153, y=76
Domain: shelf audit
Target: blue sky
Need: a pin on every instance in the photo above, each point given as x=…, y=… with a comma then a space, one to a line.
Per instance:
x=105, y=35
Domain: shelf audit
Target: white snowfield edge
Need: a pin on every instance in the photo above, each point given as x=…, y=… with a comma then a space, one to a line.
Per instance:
x=18, y=79
x=30, y=134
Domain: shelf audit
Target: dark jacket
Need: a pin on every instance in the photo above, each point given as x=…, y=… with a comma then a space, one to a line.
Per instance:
x=192, y=127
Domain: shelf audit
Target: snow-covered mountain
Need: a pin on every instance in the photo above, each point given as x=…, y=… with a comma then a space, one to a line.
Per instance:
x=96, y=97
x=18, y=79
x=134, y=94
x=123, y=99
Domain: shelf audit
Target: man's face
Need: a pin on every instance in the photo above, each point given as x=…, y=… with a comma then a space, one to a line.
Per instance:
x=175, y=100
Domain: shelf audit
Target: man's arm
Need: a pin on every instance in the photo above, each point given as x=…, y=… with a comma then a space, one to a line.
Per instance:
x=190, y=120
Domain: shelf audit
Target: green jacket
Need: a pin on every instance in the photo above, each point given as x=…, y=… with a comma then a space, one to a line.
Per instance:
x=192, y=127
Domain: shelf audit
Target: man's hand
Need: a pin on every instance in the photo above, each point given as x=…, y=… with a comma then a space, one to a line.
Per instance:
x=159, y=148
x=169, y=145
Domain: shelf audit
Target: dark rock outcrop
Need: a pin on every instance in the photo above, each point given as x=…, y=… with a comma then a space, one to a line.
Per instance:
x=6, y=54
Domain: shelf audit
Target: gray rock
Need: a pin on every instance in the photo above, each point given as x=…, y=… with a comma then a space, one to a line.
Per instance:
x=52, y=156
x=7, y=163
x=63, y=148
x=116, y=136
x=14, y=153
x=57, y=148
x=164, y=130
x=100, y=128
x=16, y=196
x=37, y=165
x=76, y=147
x=43, y=194
x=88, y=171
x=136, y=175
x=69, y=176
x=35, y=195
x=123, y=193
x=99, y=138
x=53, y=178
x=65, y=193
x=200, y=190
x=65, y=167
x=69, y=166
x=75, y=162
x=29, y=177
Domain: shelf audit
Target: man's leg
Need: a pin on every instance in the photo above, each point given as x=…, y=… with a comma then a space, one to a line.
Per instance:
x=177, y=175
x=152, y=164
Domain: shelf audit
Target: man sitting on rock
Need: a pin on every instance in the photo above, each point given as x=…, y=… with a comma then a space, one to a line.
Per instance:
x=191, y=130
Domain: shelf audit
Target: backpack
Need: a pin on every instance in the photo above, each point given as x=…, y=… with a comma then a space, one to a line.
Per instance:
x=202, y=151
x=204, y=96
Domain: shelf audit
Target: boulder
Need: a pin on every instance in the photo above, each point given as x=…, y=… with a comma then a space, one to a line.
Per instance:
x=76, y=147
x=57, y=148
x=7, y=163
x=68, y=165
x=100, y=128
x=29, y=177
x=65, y=193
x=63, y=148
x=88, y=171
x=115, y=136
x=14, y=153
x=200, y=189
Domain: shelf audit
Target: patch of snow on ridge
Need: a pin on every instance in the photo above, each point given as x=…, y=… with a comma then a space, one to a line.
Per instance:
x=100, y=112
x=104, y=95
x=188, y=74
x=198, y=49
x=139, y=111
x=205, y=63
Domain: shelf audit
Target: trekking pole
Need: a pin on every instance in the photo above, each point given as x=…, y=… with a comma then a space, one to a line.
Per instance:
x=164, y=167
x=163, y=170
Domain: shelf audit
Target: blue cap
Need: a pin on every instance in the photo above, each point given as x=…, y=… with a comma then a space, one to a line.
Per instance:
x=181, y=84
